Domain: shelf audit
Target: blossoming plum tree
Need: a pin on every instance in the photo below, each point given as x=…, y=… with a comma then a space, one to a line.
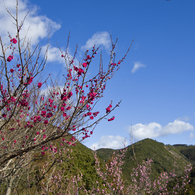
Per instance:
x=31, y=120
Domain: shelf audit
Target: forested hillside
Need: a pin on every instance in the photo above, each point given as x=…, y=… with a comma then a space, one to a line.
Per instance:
x=79, y=160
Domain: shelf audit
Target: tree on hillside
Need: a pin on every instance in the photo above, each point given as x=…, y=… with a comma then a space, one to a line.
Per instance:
x=30, y=119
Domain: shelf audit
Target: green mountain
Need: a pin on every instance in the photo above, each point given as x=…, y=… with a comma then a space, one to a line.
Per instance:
x=164, y=157
x=81, y=161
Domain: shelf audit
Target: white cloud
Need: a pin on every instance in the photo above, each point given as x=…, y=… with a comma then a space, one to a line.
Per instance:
x=185, y=118
x=53, y=54
x=99, y=38
x=191, y=135
x=36, y=26
x=51, y=89
x=110, y=141
x=153, y=130
x=137, y=65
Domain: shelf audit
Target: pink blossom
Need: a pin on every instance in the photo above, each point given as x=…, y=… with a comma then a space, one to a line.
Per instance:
x=39, y=85
x=72, y=138
x=4, y=115
x=49, y=115
x=111, y=119
x=44, y=136
x=108, y=110
x=62, y=109
x=46, y=122
x=88, y=57
x=70, y=94
x=84, y=65
x=43, y=113
x=9, y=58
x=68, y=108
x=80, y=71
x=11, y=70
x=89, y=113
x=24, y=103
x=13, y=99
x=91, y=117
x=14, y=41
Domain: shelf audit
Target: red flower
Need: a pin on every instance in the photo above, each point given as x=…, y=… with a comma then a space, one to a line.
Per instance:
x=111, y=119
x=11, y=70
x=91, y=117
x=70, y=94
x=10, y=57
x=49, y=115
x=80, y=71
x=14, y=41
x=68, y=108
x=84, y=65
x=43, y=113
x=72, y=138
x=62, y=109
x=108, y=110
x=39, y=85
x=18, y=65
x=30, y=79
x=46, y=122
x=88, y=57
x=3, y=115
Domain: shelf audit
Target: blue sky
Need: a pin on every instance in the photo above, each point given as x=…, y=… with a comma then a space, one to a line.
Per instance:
x=156, y=82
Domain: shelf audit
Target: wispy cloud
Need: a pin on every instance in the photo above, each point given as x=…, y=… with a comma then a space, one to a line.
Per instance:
x=154, y=130
x=110, y=141
x=98, y=39
x=137, y=65
x=191, y=135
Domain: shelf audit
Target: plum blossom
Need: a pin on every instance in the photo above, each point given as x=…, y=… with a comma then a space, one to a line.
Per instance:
x=39, y=85
x=111, y=119
x=14, y=41
x=10, y=58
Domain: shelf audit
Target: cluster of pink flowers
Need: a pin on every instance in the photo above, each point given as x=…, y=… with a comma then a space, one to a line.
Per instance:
x=10, y=58
x=108, y=108
x=14, y=41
